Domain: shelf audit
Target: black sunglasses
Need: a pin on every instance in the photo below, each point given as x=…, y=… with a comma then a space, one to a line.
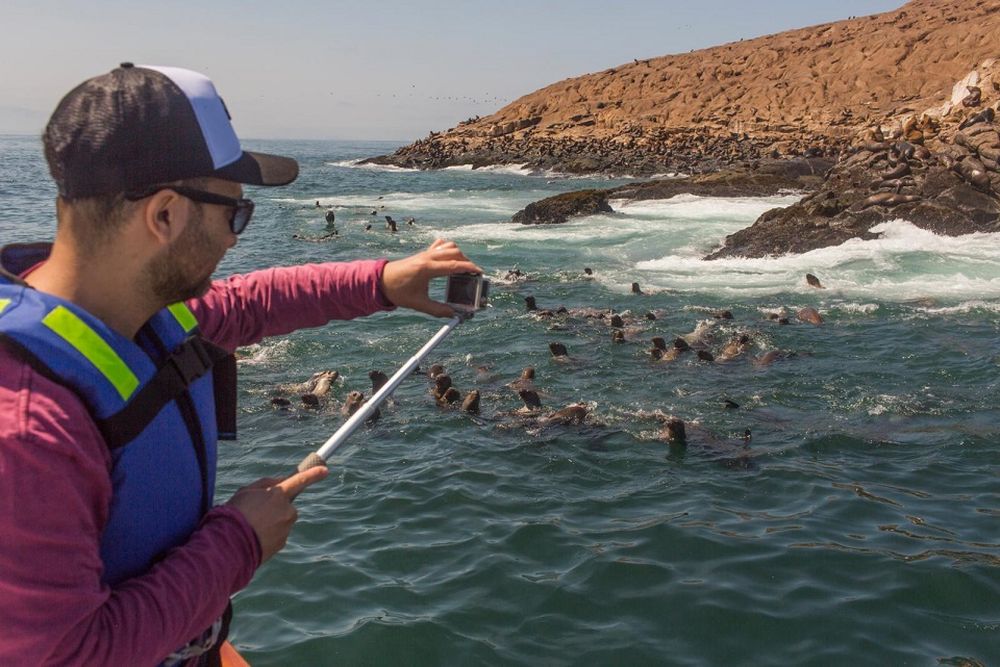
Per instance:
x=242, y=208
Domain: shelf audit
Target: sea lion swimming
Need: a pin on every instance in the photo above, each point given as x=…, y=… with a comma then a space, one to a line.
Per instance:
x=525, y=381
x=813, y=281
x=353, y=403
x=319, y=387
x=471, y=402
x=450, y=396
x=571, y=414
x=734, y=348
x=678, y=347
x=435, y=370
x=636, y=289
x=616, y=321
x=531, y=306
x=442, y=383
x=530, y=398
x=558, y=350
x=810, y=315
x=705, y=355
x=702, y=334
x=618, y=336
x=769, y=358
x=727, y=453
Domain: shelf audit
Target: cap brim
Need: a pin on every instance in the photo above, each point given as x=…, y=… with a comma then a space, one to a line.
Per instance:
x=260, y=169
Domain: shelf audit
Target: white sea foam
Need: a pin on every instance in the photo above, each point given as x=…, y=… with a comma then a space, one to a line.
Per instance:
x=512, y=169
x=905, y=263
x=730, y=211
x=356, y=164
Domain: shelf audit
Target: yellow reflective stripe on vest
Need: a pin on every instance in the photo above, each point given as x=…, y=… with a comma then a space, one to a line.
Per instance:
x=183, y=315
x=3, y=304
x=87, y=342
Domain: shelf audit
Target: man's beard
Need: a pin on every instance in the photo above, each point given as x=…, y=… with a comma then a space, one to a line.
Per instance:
x=174, y=276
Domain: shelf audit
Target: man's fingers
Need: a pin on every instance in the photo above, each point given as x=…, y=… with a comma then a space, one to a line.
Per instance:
x=293, y=486
x=450, y=266
x=263, y=483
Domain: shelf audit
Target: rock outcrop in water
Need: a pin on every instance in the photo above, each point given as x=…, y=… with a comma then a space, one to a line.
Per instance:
x=562, y=207
x=940, y=172
x=803, y=92
x=770, y=179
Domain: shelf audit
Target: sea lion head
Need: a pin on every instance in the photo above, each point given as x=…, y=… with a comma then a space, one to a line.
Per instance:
x=529, y=302
x=674, y=432
x=354, y=401
x=558, y=350
x=659, y=343
x=441, y=384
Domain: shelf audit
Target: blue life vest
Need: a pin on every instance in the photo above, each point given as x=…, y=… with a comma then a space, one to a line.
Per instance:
x=152, y=399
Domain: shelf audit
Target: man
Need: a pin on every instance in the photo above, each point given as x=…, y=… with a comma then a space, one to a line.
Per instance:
x=111, y=399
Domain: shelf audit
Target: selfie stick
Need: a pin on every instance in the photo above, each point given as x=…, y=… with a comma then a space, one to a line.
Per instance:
x=320, y=456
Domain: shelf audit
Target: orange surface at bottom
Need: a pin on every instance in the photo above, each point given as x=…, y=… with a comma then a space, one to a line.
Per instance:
x=230, y=658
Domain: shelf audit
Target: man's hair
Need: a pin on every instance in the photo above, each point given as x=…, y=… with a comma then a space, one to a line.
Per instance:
x=99, y=219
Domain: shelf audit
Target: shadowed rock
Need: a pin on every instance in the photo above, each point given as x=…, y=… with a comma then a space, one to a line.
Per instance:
x=561, y=207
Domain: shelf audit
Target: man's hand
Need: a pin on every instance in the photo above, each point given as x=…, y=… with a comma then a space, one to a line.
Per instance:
x=405, y=281
x=267, y=506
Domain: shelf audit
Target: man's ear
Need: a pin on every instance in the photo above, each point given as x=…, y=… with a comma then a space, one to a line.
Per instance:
x=165, y=215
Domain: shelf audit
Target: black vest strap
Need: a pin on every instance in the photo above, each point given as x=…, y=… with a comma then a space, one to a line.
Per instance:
x=190, y=361
x=224, y=383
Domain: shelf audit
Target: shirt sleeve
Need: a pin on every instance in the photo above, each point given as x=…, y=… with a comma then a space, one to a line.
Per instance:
x=243, y=309
x=54, y=500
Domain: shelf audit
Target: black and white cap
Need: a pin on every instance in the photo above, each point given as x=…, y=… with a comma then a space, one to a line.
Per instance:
x=138, y=126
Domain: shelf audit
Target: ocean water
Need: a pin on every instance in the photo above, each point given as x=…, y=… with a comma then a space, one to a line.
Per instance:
x=860, y=525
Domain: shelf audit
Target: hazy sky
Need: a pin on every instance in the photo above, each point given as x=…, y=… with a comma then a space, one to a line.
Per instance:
x=366, y=69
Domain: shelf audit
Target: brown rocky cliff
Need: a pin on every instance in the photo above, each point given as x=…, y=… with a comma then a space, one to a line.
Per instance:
x=801, y=91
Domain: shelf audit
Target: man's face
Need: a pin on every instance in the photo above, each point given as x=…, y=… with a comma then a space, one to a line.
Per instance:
x=184, y=270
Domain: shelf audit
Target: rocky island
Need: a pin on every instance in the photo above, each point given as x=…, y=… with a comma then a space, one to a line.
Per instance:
x=876, y=118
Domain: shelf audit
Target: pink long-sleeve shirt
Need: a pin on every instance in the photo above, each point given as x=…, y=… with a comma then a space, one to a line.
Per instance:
x=55, y=494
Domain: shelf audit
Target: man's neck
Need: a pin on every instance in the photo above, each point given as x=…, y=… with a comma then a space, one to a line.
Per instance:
x=103, y=287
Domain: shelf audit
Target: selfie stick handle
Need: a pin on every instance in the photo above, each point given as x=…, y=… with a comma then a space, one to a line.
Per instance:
x=320, y=456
